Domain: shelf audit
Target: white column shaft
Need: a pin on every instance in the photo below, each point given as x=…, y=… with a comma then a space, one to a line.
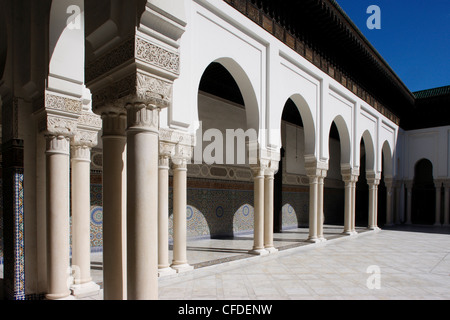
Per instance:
x=313, y=208
x=258, y=236
x=142, y=202
x=268, y=212
x=58, y=260
x=348, y=208
x=320, y=213
x=179, y=216
x=163, y=214
x=114, y=207
x=81, y=224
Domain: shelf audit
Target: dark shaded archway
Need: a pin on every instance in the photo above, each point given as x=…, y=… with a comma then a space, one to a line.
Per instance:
x=423, y=194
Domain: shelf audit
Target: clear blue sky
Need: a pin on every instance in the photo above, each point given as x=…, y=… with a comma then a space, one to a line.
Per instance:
x=414, y=38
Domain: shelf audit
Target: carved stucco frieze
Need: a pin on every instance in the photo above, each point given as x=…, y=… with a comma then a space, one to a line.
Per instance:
x=58, y=126
x=60, y=115
x=135, y=48
x=63, y=104
x=135, y=88
x=157, y=56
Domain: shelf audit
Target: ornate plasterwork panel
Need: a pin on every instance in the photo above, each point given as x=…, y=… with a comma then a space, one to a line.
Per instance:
x=135, y=88
x=135, y=48
x=157, y=56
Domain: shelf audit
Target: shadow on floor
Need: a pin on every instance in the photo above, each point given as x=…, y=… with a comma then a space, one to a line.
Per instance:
x=419, y=228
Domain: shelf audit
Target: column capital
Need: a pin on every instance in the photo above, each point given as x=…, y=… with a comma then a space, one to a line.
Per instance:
x=81, y=153
x=373, y=178
x=447, y=184
x=142, y=117
x=350, y=175
x=58, y=144
x=316, y=168
x=114, y=121
x=59, y=114
x=260, y=168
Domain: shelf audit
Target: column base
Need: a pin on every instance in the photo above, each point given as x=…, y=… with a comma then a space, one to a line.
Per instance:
x=350, y=233
x=322, y=239
x=271, y=250
x=85, y=290
x=313, y=240
x=437, y=224
x=180, y=268
x=164, y=272
x=374, y=228
x=59, y=296
x=259, y=252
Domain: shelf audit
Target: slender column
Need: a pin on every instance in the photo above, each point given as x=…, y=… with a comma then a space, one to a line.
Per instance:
x=320, y=213
x=81, y=224
x=409, y=187
x=268, y=211
x=350, y=178
x=348, y=206
x=58, y=263
x=163, y=216
x=373, y=200
x=313, y=208
x=447, y=204
x=180, y=261
x=142, y=201
x=114, y=204
x=438, y=185
x=389, y=201
x=258, y=237
x=353, y=219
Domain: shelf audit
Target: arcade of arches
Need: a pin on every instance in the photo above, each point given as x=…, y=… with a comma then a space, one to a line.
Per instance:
x=130, y=127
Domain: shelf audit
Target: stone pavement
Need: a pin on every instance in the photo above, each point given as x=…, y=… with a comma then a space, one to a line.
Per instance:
x=398, y=263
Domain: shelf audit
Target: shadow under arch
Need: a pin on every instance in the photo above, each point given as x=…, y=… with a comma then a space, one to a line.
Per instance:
x=344, y=137
x=369, y=151
x=307, y=123
x=289, y=206
x=249, y=99
x=334, y=193
x=423, y=193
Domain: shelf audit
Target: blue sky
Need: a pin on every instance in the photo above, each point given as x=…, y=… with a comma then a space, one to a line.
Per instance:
x=414, y=38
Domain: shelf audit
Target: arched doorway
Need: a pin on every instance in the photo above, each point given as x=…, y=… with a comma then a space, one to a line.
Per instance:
x=362, y=191
x=289, y=195
x=423, y=194
x=220, y=186
x=339, y=158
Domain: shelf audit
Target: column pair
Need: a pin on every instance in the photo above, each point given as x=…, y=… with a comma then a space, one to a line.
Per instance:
x=316, y=173
x=86, y=138
x=130, y=195
x=374, y=181
x=263, y=177
x=350, y=178
x=180, y=155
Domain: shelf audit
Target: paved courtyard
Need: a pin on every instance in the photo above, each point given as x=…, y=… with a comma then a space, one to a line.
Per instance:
x=402, y=263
